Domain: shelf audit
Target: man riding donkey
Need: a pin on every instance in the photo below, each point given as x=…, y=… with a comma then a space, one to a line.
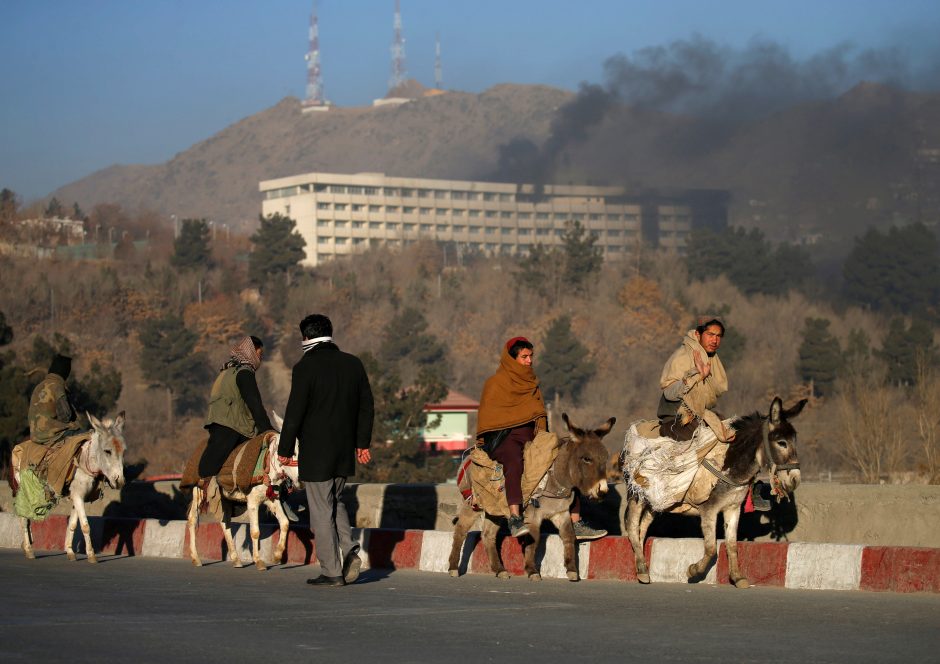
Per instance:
x=692, y=380
x=236, y=415
x=511, y=414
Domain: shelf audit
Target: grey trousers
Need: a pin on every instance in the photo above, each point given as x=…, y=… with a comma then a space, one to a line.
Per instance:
x=330, y=524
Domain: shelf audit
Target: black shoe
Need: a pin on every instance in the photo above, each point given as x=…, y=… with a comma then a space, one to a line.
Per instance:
x=289, y=513
x=324, y=580
x=761, y=504
x=351, y=567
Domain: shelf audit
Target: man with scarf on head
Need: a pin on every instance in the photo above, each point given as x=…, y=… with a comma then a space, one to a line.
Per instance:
x=511, y=414
x=330, y=410
x=692, y=380
x=51, y=415
x=236, y=412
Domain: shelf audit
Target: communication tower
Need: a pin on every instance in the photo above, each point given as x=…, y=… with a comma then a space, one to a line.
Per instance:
x=315, y=100
x=398, y=52
x=438, y=72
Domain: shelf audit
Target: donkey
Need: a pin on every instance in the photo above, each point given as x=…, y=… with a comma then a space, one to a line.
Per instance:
x=99, y=457
x=258, y=495
x=760, y=443
x=581, y=464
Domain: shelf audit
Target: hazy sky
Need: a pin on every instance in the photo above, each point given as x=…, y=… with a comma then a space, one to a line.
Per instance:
x=91, y=83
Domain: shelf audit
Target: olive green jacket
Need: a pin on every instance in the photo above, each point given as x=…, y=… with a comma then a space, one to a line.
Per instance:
x=226, y=406
x=51, y=416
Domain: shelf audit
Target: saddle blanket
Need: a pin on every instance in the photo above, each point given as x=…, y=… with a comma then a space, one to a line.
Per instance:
x=667, y=473
x=54, y=464
x=489, y=483
x=243, y=468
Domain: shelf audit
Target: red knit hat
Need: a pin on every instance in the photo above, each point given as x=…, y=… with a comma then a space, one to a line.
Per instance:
x=511, y=342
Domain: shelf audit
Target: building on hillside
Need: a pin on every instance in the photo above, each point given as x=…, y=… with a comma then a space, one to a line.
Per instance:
x=452, y=434
x=339, y=214
x=56, y=230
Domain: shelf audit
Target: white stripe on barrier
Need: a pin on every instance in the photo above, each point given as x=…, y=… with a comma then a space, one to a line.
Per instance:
x=824, y=566
x=670, y=560
x=163, y=539
x=11, y=532
x=435, y=549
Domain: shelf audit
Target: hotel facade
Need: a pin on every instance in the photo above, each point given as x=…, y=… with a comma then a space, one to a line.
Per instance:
x=338, y=215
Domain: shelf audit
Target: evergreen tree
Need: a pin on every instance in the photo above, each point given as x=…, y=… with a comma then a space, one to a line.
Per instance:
x=54, y=208
x=8, y=206
x=897, y=271
x=278, y=248
x=564, y=367
x=14, y=397
x=582, y=258
x=903, y=347
x=98, y=391
x=168, y=359
x=539, y=271
x=820, y=356
x=407, y=344
x=191, y=250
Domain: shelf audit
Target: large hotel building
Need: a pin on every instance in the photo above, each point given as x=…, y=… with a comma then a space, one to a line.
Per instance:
x=339, y=214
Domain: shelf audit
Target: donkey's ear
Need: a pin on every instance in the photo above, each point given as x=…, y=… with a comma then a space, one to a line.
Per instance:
x=575, y=431
x=776, y=411
x=605, y=428
x=94, y=421
x=795, y=410
x=119, y=422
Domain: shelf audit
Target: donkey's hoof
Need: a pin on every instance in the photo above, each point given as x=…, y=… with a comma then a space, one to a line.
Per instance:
x=29, y=555
x=196, y=563
x=454, y=573
x=260, y=565
x=502, y=575
x=92, y=559
x=573, y=576
x=535, y=576
x=237, y=563
x=71, y=555
x=643, y=578
x=742, y=583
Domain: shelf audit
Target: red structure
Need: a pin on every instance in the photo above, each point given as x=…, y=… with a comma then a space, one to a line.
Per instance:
x=452, y=435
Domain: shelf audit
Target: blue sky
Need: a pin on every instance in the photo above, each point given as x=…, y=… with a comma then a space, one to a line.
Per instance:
x=91, y=83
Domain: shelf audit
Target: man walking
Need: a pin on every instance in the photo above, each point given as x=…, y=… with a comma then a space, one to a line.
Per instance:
x=330, y=409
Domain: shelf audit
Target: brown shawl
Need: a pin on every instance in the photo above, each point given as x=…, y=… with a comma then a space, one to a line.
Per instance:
x=511, y=397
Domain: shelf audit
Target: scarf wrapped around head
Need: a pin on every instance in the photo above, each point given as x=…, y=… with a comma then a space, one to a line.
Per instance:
x=511, y=397
x=245, y=353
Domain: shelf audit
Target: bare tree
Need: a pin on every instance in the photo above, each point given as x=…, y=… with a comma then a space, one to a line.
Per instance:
x=926, y=396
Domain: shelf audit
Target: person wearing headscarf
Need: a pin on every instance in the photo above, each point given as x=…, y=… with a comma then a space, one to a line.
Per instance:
x=51, y=414
x=236, y=412
x=511, y=413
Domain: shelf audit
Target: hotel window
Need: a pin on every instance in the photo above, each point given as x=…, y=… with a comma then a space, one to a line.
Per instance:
x=457, y=213
x=341, y=223
x=458, y=195
x=392, y=191
x=613, y=233
x=323, y=206
x=424, y=193
x=409, y=227
x=490, y=231
x=337, y=189
x=441, y=228
x=375, y=208
x=506, y=231
x=319, y=187
x=391, y=226
x=542, y=231
x=356, y=207
x=358, y=224
x=425, y=228
x=489, y=196
x=408, y=209
x=474, y=213
x=407, y=192
x=505, y=197
x=425, y=211
x=474, y=230
x=339, y=206
x=541, y=215
x=459, y=229
x=630, y=217
x=375, y=224
x=559, y=232
x=525, y=231
x=525, y=215
x=614, y=248
x=354, y=190
x=391, y=208
x=577, y=216
x=473, y=195
x=323, y=240
x=323, y=223
x=594, y=217
x=341, y=240
x=440, y=211
x=490, y=214
x=525, y=248
x=440, y=193
x=490, y=246
x=358, y=240
x=370, y=191
x=505, y=215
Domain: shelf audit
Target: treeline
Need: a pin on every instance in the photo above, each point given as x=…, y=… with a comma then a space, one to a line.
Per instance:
x=429, y=318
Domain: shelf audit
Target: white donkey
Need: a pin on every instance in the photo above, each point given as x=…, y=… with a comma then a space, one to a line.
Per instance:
x=100, y=457
x=258, y=495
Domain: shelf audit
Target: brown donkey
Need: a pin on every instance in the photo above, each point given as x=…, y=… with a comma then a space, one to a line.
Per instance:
x=581, y=464
x=760, y=443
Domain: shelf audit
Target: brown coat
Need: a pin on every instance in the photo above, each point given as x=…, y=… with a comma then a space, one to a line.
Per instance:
x=511, y=397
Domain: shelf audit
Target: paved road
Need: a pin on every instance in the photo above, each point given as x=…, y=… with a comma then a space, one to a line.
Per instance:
x=160, y=610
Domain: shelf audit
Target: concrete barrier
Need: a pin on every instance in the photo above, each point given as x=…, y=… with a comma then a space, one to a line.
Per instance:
x=806, y=565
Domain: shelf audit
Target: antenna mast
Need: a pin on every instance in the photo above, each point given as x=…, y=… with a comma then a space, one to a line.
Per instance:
x=398, y=52
x=438, y=72
x=314, y=80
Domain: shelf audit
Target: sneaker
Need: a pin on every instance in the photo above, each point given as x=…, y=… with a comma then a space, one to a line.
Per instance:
x=582, y=531
x=761, y=504
x=351, y=567
x=517, y=526
x=288, y=512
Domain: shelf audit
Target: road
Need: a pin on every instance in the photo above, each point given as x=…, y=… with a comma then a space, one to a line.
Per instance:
x=164, y=610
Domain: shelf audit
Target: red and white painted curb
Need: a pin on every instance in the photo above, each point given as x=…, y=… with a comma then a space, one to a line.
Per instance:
x=790, y=565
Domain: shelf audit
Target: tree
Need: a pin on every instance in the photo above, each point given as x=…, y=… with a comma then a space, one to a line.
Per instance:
x=820, y=356
x=903, y=347
x=538, y=271
x=98, y=392
x=8, y=206
x=6, y=332
x=168, y=359
x=14, y=396
x=400, y=419
x=191, y=250
x=897, y=271
x=582, y=258
x=278, y=248
x=54, y=208
x=407, y=345
x=565, y=366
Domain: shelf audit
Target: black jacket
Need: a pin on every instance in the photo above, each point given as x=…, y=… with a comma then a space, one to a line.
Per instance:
x=330, y=410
